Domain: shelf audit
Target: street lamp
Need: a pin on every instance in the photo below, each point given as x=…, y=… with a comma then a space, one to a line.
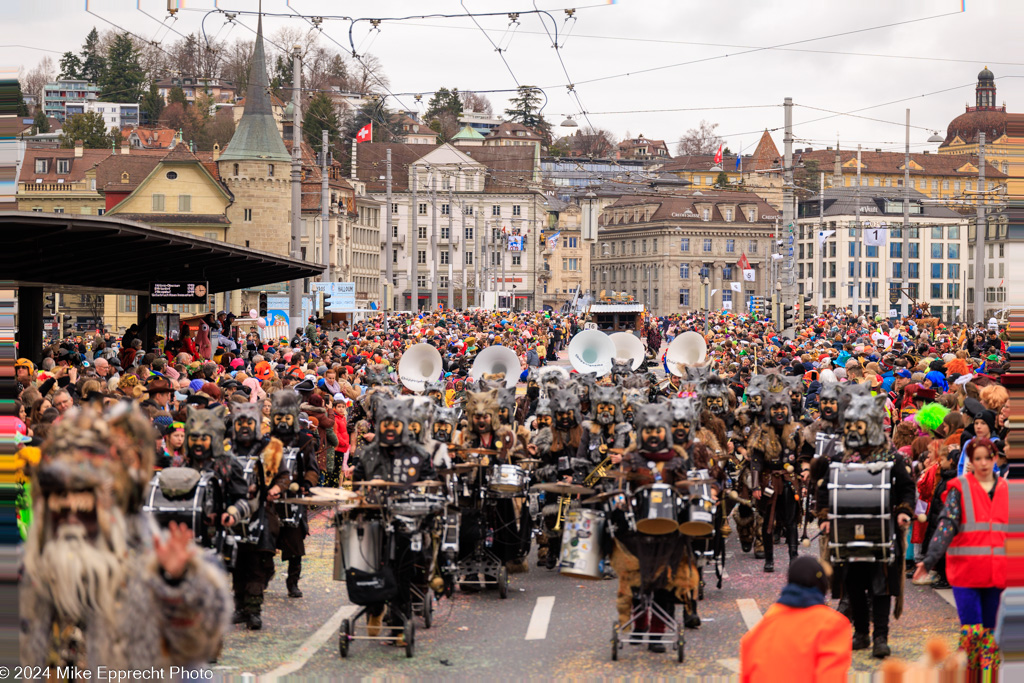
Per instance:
x=935, y=137
x=706, y=281
x=589, y=217
x=569, y=123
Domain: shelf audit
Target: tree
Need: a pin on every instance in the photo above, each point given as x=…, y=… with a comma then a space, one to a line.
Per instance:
x=722, y=179
x=89, y=128
x=592, y=142
x=92, y=63
x=40, y=124
x=524, y=108
x=20, y=98
x=319, y=116
x=122, y=80
x=177, y=95
x=385, y=123
x=807, y=178
x=237, y=63
x=152, y=104
x=282, y=77
x=446, y=125
x=34, y=82
x=70, y=66
x=699, y=141
x=472, y=101
x=444, y=100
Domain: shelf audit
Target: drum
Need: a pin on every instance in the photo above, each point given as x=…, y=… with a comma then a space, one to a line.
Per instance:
x=250, y=533
x=357, y=545
x=659, y=509
x=291, y=515
x=581, y=544
x=860, y=512
x=701, y=506
x=507, y=481
x=416, y=504
x=186, y=496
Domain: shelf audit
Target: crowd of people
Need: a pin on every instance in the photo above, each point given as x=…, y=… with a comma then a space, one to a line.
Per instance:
x=755, y=431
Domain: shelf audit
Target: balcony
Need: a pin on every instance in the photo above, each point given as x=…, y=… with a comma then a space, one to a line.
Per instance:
x=48, y=188
x=544, y=274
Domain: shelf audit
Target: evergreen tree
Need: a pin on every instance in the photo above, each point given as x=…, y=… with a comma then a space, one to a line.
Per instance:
x=122, y=80
x=152, y=103
x=444, y=101
x=92, y=63
x=177, y=95
x=525, y=109
x=40, y=124
x=70, y=66
x=282, y=78
x=89, y=128
x=22, y=105
x=385, y=127
x=319, y=116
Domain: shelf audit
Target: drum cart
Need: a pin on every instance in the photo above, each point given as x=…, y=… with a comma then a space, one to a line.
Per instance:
x=483, y=562
x=647, y=609
x=348, y=632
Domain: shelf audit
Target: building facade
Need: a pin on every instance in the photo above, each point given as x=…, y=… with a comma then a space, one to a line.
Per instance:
x=67, y=96
x=659, y=248
x=220, y=89
x=858, y=272
x=114, y=115
x=643, y=149
x=565, y=259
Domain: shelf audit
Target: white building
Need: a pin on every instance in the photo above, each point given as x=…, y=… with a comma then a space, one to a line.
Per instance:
x=938, y=271
x=115, y=115
x=487, y=214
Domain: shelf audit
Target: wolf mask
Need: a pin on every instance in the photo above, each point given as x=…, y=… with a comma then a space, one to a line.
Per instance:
x=284, y=412
x=445, y=422
x=605, y=402
x=652, y=428
x=863, y=421
x=684, y=414
x=204, y=434
x=245, y=423
x=565, y=406
x=392, y=417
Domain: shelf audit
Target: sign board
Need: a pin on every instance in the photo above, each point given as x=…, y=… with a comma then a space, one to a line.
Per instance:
x=894, y=296
x=515, y=242
x=893, y=313
x=343, y=295
x=192, y=292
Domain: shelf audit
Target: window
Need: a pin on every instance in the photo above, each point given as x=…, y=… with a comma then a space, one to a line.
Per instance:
x=634, y=246
x=871, y=269
x=421, y=232
x=935, y=184
x=952, y=251
x=468, y=233
x=684, y=297
x=752, y=246
x=914, y=271
x=853, y=248
x=444, y=258
x=270, y=170
x=394, y=231
x=444, y=233
x=171, y=175
x=654, y=246
x=442, y=282
x=956, y=186
x=707, y=246
x=936, y=290
x=727, y=272
x=421, y=256
x=517, y=259
x=727, y=299
x=469, y=258
x=895, y=249
x=158, y=202
x=59, y=209
x=832, y=249
x=423, y=209
x=684, y=244
x=708, y=180
x=952, y=290
x=235, y=170
x=394, y=209
x=952, y=271
x=728, y=215
x=42, y=165
x=684, y=271
x=573, y=242
x=936, y=249
x=574, y=264
x=897, y=270
x=394, y=256
x=915, y=250
x=705, y=214
x=247, y=215
x=945, y=184
x=832, y=269
x=516, y=210
x=800, y=250
x=421, y=281
x=832, y=289
x=63, y=166
x=495, y=210
x=100, y=212
x=184, y=203
x=752, y=215
x=936, y=271
x=870, y=290
x=467, y=210
x=954, y=232
x=445, y=209
x=936, y=232
x=730, y=246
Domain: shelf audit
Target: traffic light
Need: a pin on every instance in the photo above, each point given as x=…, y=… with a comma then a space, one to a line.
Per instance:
x=263, y=304
x=805, y=309
x=788, y=316
x=66, y=326
x=50, y=303
x=325, y=306
x=388, y=295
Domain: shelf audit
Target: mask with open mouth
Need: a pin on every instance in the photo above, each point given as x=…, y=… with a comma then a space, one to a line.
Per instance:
x=284, y=412
x=392, y=422
x=565, y=408
x=652, y=426
x=245, y=421
x=685, y=415
x=204, y=434
x=445, y=421
x=606, y=402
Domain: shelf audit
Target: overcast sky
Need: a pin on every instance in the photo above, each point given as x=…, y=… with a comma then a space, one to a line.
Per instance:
x=605, y=40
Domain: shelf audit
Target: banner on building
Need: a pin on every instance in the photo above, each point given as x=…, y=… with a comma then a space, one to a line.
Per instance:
x=736, y=286
x=515, y=242
x=750, y=275
x=875, y=236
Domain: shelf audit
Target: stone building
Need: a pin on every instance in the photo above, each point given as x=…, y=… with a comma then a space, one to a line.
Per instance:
x=658, y=247
x=565, y=267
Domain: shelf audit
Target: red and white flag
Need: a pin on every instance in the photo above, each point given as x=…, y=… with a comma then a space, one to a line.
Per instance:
x=743, y=263
x=365, y=133
x=718, y=155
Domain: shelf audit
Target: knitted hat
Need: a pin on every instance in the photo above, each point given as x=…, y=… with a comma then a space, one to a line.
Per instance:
x=807, y=571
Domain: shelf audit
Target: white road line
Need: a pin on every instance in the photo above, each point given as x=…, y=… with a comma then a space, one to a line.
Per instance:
x=312, y=644
x=538, y=628
x=749, y=611
x=732, y=664
x=947, y=595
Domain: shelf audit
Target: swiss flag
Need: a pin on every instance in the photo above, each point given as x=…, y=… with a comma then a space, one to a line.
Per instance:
x=365, y=133
x=718, y=155
x=744, y=264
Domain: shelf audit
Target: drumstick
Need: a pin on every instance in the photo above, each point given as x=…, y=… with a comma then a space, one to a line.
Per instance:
x=807, y=541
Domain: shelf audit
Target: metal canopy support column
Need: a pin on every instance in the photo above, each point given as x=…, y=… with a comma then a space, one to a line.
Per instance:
x=30, y=323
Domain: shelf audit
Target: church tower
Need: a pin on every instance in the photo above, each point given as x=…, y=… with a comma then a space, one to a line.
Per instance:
x=257, y=169
x=985, y=91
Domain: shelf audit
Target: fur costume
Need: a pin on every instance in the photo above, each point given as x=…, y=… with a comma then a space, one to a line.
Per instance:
x=484, y=402
x=92, y=594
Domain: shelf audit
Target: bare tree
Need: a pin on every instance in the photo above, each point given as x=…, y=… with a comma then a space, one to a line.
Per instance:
x=592, y=142
x=369, y=75
x=324, y=68
x=33, y=82
x=237, y=61
x=472, y=101
x=701, y=140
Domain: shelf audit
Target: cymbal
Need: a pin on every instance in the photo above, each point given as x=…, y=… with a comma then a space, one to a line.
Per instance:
x=330, y=492
x=359, y=506
x=602, y=497
x=565, y=489
x=461, y=468
x=312, y=500
x=476, y=451
x=620, y=475
x=378, y=482
x=428, y=483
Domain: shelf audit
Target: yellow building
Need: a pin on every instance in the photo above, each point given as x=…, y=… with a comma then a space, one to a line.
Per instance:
x=1004, y=134
x=566, y=266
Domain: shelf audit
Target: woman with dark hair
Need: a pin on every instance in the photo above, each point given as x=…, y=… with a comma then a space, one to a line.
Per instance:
x=972, y=535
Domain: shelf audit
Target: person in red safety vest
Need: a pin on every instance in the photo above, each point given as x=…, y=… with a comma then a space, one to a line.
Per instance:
x=972, y=534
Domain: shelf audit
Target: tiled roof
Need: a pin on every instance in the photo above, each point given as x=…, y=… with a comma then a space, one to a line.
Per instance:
x=765, y=155
x=138, y=166
x=79, y=165
x=510, y=169
x=892, y=163
x=151, y=138
x=842, y=201
x=510, y=129
x=176, y=218
x=685, y=208
x=641, y=142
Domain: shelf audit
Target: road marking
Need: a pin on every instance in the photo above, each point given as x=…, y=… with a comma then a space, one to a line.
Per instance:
x=947, y=595
x=538, y=628
x=749, y=611
x=312, y=644
x=732, y=664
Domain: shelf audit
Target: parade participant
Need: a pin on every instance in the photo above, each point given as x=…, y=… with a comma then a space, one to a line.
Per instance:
x=871, y=585
x=255, y=565
x=445, y=424
x=421, y=425
x=90, y=552
x=607, y=430
x=773, y=447
x=284, y=419
x=822, y=651
x=972, y=535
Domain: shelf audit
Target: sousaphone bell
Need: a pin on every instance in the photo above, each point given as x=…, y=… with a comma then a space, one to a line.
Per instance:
x=592, y=351
x=629, y=346
x=498, y=360
x=689, y=348
x=419, y=365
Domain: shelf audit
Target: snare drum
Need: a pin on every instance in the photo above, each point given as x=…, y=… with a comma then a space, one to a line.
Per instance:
x=416, y=504
x=357, y=545
x=659, y=509
x=860, y=512
x=507, y=481
x=701, y=507
x=169, y=502
x=291, y=515
x=581, y=544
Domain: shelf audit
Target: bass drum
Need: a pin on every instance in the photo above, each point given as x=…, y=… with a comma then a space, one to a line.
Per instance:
x=581, y=545
x=291, y=515
x=659, y=509
x=250, y=533
x=357, y=545
x=701, y=507
x=860, y=512
x=185, y=496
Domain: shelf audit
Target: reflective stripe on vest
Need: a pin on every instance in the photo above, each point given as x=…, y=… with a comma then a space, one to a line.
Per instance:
x=985, y=526
x=976, y=550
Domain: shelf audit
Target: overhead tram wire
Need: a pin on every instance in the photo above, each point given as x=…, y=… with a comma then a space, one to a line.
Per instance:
x=124, y=30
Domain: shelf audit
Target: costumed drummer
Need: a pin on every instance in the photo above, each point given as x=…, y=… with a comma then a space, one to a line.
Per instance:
x=870, y=585
x=395, y=456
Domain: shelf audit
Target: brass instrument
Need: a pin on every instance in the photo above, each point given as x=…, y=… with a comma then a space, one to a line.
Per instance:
x=563, y=507
x=598, y=473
